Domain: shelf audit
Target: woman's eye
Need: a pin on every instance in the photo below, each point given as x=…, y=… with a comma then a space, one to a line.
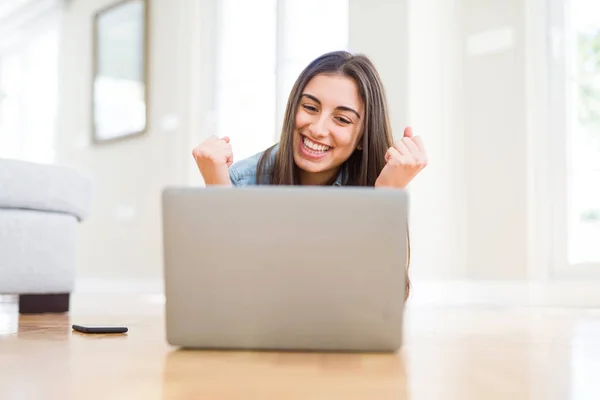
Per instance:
x=344, y=120
x=308, y=107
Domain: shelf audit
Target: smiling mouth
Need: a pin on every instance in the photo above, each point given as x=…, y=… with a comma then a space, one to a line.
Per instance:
x=314, y=148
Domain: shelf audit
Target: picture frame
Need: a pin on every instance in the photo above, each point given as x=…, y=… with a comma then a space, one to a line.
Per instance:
x=120, y=71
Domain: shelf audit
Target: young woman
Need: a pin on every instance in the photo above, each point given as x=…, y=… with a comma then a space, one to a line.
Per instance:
x=336, y=131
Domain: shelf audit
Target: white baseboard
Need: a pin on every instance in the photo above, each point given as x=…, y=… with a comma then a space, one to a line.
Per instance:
x=423, y=293
x=517, y=293
x=119, y=286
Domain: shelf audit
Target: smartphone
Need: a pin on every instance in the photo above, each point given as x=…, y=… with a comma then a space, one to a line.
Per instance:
x=99, y=329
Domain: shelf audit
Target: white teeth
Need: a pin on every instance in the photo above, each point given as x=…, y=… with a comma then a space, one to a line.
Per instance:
x=315, y=146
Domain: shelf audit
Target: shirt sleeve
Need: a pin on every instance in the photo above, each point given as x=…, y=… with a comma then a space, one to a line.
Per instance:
x=234, y=176
x=243, y=177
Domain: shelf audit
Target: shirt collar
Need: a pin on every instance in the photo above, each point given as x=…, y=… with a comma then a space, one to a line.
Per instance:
x=339, y=179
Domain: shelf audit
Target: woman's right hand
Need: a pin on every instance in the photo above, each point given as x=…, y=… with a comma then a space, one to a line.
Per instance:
x=213, y=158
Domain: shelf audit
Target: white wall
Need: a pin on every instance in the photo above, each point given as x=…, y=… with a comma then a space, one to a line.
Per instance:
x=436, y=110
x=466, y=93
x=377, y=28
x=122, y=238
x=497, y=145
x=467, y=86
x=417, y=48
x=463, y=92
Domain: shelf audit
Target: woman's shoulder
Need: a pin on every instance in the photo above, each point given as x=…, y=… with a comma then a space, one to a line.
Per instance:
x=245, y=171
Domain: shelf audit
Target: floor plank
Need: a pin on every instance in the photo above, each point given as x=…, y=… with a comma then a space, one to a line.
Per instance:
x=449, y=353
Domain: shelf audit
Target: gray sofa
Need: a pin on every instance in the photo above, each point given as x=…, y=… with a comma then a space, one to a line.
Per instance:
x=40, y=209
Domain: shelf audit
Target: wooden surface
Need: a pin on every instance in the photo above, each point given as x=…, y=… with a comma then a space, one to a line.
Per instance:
x=460, y=353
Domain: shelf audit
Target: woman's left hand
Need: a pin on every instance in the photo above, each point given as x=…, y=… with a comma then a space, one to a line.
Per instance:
x=404, y=161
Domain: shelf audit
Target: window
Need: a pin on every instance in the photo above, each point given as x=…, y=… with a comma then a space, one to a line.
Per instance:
x=301, y=40
x=263, y=46
x=29, y=87
x=574, y=164
x=246, y=71
x=583, y=141
x=10, y=106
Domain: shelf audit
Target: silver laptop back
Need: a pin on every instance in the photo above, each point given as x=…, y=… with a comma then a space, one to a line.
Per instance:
x=285, y=268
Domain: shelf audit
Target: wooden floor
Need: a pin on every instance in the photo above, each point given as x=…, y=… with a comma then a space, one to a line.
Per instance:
x=460, y=353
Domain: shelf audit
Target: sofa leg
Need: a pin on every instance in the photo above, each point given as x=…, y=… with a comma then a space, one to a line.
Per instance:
x=44, y=303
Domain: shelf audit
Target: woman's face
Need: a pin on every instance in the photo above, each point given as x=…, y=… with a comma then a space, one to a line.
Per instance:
x=329, y=122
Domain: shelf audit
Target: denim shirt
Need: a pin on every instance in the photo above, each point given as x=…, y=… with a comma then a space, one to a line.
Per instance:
x=244, y=172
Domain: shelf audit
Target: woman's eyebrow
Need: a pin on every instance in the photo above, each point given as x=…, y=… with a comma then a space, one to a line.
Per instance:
x=345, y=108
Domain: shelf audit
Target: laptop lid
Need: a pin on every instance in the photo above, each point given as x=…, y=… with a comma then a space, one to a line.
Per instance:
x=272, y=267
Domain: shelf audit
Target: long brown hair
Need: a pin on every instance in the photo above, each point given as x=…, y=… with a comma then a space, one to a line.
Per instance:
x=363, y=166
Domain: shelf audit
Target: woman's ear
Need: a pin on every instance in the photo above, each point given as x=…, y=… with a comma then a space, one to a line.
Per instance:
x=359, y=141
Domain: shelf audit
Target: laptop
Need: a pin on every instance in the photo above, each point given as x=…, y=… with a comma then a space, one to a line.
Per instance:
x=285, y=268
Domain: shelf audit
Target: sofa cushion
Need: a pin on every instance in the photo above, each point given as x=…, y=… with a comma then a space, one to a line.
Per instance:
x=43, y=187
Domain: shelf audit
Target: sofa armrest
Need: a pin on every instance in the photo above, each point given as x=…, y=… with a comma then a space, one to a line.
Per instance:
x=43, y=187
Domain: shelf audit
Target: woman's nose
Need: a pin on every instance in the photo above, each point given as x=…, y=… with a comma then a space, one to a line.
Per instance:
x=318, y=127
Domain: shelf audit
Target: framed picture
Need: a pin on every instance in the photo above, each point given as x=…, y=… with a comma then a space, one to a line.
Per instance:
x=120, y=73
